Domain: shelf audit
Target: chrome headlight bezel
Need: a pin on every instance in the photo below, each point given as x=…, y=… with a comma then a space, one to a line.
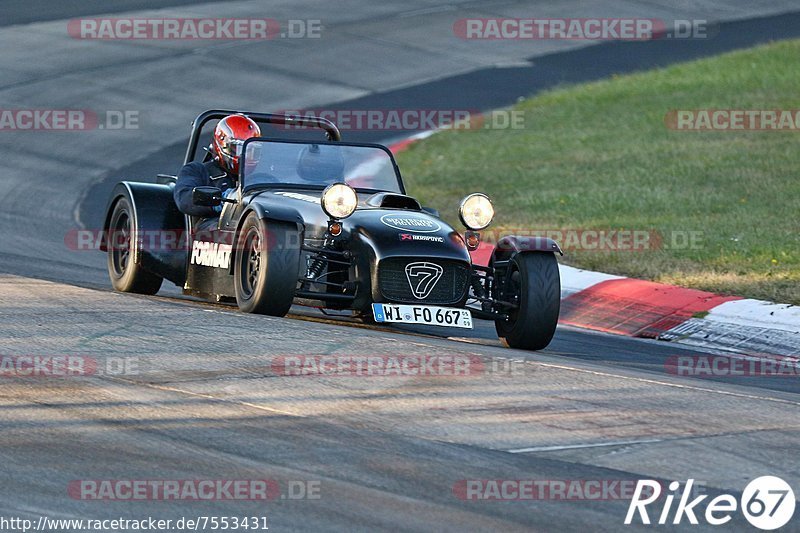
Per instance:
x=468, y=218
x=337, y=196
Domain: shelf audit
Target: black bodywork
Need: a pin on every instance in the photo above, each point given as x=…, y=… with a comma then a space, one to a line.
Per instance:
x=364, y=264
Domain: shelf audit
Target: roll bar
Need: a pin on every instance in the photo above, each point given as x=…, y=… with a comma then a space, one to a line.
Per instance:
x=331, y=131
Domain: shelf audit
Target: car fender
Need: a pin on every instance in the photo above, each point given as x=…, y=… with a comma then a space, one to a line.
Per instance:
x=277, y=213
x=511, y=245
x=162, y=246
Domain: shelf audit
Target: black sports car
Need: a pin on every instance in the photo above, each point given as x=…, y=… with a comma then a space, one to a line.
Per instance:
x=328, y=224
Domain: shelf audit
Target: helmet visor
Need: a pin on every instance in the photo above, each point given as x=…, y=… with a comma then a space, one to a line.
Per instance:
x=233, y=147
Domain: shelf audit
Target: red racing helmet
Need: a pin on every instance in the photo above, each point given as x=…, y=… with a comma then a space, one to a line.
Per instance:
x=229, y=135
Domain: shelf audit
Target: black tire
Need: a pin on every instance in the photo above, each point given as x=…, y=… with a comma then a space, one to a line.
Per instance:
x=127, y=276
x=266, y=266
x=534, y=279
x=368, y=318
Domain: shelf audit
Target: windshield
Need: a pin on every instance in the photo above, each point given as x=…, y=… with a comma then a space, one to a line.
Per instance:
x=309, y=164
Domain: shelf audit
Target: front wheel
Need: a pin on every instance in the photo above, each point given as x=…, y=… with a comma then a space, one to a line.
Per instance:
x=125, y=274
x=266, y=266
x=533, y=284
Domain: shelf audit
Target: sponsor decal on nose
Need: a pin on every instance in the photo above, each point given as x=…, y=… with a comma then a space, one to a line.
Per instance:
x=411, y=223
x=417, y=238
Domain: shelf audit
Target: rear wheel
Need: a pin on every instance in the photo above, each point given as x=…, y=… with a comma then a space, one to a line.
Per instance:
x=125, y=274
x=266, y=267
x=532, y=282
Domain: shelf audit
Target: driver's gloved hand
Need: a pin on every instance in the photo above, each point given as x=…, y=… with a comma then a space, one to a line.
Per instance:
x=218, y=208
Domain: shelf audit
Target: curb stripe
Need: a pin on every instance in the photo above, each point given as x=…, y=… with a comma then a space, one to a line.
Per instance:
x=636, y=307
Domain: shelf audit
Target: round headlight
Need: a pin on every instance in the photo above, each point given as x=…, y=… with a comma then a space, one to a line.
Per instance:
x=476, y=211
x=339, y=200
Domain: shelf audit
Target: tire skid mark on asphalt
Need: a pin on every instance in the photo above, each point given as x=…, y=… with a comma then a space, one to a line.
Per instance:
x=91, y=338
x=207, y=397
x=477, y=340
x=556, y=448
x=668, y=384
x=229, y=375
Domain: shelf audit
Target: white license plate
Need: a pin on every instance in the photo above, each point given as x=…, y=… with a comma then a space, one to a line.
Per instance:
x=423, y=314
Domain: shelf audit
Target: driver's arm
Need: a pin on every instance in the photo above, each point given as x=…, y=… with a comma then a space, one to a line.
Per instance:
x=192, y=175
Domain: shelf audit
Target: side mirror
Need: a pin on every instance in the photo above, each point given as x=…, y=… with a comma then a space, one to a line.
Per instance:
x=207, y=196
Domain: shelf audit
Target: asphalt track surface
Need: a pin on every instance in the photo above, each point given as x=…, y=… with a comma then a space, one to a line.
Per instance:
x=205, y=403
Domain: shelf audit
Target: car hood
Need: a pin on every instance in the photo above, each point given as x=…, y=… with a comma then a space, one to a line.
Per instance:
x=388, y=231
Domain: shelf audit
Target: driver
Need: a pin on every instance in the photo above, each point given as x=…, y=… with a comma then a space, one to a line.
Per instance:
x=221, y=171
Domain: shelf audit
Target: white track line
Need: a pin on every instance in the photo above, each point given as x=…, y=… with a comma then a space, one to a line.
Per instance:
x=579, y=446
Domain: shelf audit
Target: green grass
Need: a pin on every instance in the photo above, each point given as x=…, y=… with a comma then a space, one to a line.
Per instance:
x=599, y=156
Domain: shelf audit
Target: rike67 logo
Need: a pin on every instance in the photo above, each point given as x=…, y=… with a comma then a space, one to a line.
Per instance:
x=767, y=503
